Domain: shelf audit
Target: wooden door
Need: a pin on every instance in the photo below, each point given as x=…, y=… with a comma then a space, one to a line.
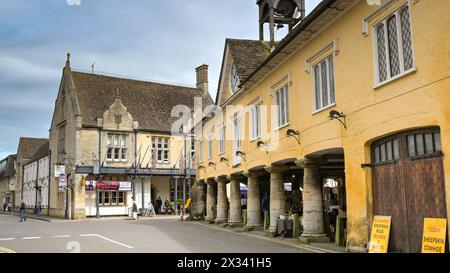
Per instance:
x=408, y=185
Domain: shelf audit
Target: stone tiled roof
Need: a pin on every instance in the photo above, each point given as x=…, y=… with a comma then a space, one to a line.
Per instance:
x=247, y=54
x=28, y=147
x=9, y=171
x=149, y=103
x=43, y=151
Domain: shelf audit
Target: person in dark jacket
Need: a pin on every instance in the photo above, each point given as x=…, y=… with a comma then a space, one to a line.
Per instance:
x=158, y=205
x=265, y=203
x=166, y=206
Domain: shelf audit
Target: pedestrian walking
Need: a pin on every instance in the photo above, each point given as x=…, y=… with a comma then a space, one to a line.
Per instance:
x=38, y=209
x=9, y=206
x=22, y=212
x=166, y=206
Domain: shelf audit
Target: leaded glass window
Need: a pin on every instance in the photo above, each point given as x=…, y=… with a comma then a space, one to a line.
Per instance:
x=406, y=39
x=393, y=46
x=381, y=45
x=324, y=89
x=394, y=53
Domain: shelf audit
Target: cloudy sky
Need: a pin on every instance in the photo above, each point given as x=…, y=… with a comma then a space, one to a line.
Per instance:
x=155, y=40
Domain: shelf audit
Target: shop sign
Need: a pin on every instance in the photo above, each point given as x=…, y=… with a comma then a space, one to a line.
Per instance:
x=90, y=185
x=124, y=186
x=434, y=234
x=379, y=238
x=108, y=186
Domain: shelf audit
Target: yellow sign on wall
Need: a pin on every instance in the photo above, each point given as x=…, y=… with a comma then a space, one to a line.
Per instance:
x=379, y=238
x=434, y=234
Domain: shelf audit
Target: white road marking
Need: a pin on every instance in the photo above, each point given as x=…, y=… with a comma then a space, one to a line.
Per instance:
x=107, y=239
x=31, y=238
x=61, y=236
x=6, y=250
x=7, y=239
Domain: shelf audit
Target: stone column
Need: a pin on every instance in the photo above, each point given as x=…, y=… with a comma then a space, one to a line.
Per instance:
x=201, y=188
x=235, y=199
x=222, y=202
x=253, y=200
x=277, y=196
x=211, y=200
x=313, y=225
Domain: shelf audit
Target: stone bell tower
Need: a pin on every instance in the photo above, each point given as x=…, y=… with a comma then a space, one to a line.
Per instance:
x=279, y=13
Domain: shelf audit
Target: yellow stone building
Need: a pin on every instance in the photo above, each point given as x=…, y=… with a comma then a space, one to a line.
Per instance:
x=360, y=125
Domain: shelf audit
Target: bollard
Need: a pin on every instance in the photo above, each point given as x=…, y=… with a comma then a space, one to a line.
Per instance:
x=295, y=225
x=266, y=220
x=244, y=217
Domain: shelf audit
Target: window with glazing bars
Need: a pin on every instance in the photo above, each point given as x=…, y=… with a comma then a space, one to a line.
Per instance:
x=255, y=117
x=282, y=101
x=386, y=151
x=160, y=146
x=424, y=144
x=210, y=147
x=200, y=152
x=222, y=140
x=117, y=147
x=324, y=88
x=394, y=52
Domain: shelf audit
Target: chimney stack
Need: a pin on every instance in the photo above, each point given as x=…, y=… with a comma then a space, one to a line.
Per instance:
x=202, y=77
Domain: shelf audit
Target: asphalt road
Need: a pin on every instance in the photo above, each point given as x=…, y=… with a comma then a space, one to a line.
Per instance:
x=126, y=236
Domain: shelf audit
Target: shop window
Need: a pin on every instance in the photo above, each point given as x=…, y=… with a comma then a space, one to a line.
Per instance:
x=111, y=198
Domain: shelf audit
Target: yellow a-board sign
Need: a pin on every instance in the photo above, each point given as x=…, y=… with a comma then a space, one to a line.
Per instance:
x=379, y=238
x=188, y=202
x=434, y=235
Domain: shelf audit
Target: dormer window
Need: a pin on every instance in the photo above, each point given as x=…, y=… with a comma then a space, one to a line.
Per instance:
x=234, y=79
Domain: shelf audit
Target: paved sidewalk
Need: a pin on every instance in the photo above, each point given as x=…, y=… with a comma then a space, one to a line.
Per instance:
x=46, y=218
x=294, y=242
x=34, y=217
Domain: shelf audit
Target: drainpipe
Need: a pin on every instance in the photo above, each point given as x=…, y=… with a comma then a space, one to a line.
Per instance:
x=37, y=184
x=97, y=191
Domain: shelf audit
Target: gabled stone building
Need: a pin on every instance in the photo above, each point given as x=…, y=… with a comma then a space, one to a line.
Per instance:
x=26, y=150
x=7, y=179
x=123, y=127
x=35, y=180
